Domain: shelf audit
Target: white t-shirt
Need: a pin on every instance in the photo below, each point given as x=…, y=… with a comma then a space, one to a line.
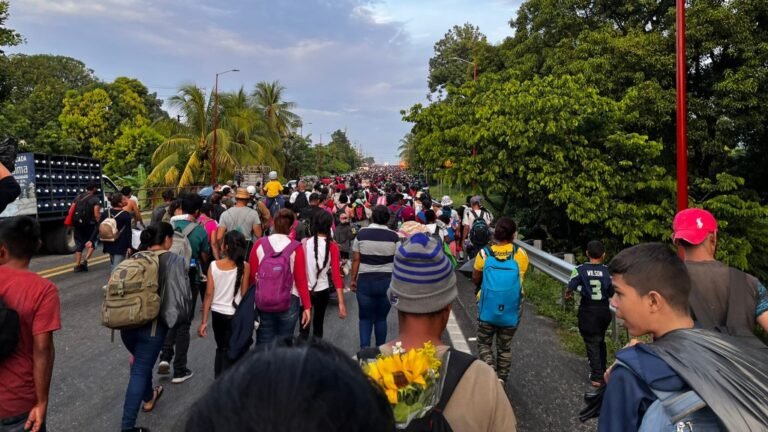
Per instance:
x=469, y=217
x=224, y=290
x=312, y=275
x=292, y=199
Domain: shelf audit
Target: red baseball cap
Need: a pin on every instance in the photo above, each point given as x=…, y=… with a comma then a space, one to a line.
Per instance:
x=694, y=225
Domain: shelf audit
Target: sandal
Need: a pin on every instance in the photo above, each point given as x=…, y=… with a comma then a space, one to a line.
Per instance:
x=157, y=392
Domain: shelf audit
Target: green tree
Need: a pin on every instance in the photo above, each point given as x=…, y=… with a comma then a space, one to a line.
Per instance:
x=298, y=156
x=342, y=156
x=8, y=37
x=268, y=100
x=460, y=42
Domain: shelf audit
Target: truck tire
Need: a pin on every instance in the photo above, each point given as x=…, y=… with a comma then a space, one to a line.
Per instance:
x=60, y=239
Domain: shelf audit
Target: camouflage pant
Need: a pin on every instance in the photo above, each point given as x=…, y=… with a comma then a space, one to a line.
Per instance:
x=502, y=361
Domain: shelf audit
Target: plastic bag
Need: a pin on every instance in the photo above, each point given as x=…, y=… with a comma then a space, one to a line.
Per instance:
x=727, y=372
x=135, y=238
x=176, y=306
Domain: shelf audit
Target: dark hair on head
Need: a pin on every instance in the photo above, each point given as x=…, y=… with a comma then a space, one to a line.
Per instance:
x=444, y=218
x=168, y=195
x=595, y=249
x=654, y=267
x=116, y=200
x=191, y=203
x=216, y=198
x=505, y=230
x=343, y=198
x=236, y=247
x=126, y=190
x=92, y=185
x=469, y=198
x=173, y=206
x=399, y=197
x=284, y=221
x=155, y=234
x=321, y=224
x=207, y=209
x=380, y=215
x=263, y=390
x=429, y=216
x=21, y=236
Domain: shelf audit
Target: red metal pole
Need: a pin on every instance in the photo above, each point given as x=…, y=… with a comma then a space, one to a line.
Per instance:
x=682, y=111
x=215, y=128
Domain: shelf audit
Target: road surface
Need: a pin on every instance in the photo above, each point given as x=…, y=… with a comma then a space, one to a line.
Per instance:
x=91, y=373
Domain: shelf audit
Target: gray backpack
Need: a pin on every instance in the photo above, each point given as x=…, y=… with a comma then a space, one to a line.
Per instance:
x=181, y=245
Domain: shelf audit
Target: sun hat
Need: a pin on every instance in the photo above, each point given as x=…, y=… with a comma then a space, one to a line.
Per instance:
x=477, y=199
x=423, y=280
x=693, y=225
x=242, y=194
x=446, y=201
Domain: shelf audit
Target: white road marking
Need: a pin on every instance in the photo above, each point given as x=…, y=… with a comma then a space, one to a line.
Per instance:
x=457, y=336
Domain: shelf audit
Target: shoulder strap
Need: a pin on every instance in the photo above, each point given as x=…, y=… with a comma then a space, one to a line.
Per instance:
x=677, y=404
x=188, y=229
x=292, y=246
x=458, y=363
x=475, y=214
x=267, y=245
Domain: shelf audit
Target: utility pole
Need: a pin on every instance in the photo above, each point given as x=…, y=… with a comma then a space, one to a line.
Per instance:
x=216, y=122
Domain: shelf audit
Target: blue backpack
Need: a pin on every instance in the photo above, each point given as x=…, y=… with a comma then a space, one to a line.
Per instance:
x=499, y=303
x=677, y=411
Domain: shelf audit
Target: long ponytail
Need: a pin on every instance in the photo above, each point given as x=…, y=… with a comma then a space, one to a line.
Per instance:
x=236, y=248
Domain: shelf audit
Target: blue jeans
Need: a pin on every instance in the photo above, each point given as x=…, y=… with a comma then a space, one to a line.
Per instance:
x=373, y=305
x=16, y=424
x=278, y=325
x=114, y=261
x=145, y=348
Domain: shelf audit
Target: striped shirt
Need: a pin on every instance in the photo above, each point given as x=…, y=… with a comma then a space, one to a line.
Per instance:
x=377, y=245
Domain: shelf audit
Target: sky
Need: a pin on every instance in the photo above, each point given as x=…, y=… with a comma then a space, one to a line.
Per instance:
x=347, y=64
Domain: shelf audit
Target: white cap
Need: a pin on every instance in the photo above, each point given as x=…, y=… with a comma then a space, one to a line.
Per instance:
x=251, y=190
x=273, y=175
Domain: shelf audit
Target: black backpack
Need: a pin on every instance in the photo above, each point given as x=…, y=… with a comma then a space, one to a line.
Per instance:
x=83, y=210
x=10, y=328
x=301, y=203
x=337, y=214
x=479, y=232
x=435, y=421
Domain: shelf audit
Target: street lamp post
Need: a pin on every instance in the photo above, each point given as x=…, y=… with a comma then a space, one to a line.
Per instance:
x=682, y=111
x=216, y=122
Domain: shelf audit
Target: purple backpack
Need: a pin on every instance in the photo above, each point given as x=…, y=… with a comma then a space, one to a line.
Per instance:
x=275, y=278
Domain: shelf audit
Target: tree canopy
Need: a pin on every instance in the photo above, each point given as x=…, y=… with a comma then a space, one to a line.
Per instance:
x=573, y=120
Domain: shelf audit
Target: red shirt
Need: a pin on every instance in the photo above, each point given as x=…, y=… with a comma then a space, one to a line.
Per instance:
x=36, y=300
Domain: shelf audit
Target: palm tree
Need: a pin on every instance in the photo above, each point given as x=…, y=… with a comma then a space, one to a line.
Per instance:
x=268, y=100
x=184, y=159
x=407, y=149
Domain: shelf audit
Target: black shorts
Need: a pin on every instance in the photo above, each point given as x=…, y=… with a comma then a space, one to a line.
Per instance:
x=82, y=236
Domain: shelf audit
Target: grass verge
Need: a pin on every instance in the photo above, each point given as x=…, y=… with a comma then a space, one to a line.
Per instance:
x=545, y=293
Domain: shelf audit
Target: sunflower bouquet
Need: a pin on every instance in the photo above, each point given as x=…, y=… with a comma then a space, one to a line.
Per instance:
x=410, y=379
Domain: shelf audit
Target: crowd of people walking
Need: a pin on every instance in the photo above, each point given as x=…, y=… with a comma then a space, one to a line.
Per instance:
x=267, y=262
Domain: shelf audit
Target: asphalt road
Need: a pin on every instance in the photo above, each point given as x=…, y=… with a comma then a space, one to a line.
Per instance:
x=91, y=373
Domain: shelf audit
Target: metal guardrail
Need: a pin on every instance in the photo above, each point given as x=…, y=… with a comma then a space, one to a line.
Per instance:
x=560, y=270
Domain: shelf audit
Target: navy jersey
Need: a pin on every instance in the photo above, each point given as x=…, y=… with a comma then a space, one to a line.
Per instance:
x=593, y=282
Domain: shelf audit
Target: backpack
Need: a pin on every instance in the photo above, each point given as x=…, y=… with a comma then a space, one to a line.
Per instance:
x=479, y=232
x=674, y=411
x=499, y=303
x=274, y=280
x=181, y=245
x=434, y=420
x=300, y=203
x=382, y=200
x=359, y=214
x=337, y=214
x=10, y=329
x=166, y=215
x=83, y=212
x=108, y=232
x=131, y=297
x=394, y=218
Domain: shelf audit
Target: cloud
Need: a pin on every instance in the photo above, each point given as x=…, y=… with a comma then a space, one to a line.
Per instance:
x=346, y=63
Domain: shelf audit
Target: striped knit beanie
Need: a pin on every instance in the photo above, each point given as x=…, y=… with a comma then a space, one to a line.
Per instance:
x=423, y=280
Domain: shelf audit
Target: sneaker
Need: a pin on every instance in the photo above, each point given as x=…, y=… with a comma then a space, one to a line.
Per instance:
x=164, y=368
x=183, y=377
x=84, y=266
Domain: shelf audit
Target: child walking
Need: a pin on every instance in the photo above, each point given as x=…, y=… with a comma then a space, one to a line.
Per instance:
x=593, y=282
x=227, y=284
x=322, y=256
